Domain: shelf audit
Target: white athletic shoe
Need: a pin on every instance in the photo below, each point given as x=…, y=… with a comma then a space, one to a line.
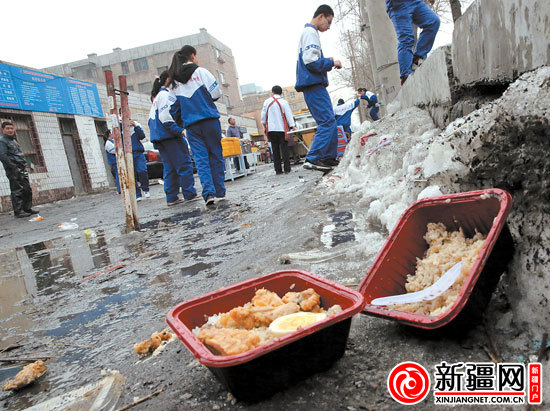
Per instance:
x=146, y=194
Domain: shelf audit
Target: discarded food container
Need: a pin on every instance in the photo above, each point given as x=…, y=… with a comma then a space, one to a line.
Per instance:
x=484, y=210
x=262, y=371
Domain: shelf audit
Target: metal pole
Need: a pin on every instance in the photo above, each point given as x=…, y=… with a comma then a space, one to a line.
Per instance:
x=385, y=49
x=128, y=147
x=120, y=158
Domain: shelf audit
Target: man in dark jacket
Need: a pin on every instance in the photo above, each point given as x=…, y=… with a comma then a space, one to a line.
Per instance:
x=14, y=163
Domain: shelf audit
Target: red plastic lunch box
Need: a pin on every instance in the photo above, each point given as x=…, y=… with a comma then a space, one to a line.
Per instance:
x=484, y=210
x=261, y=372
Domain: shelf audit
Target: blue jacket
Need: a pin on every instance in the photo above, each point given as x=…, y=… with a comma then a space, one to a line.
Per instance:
x=370, y=97
x=110, y=150
x=312, y=66
x=343, y=113
x=161, y=124
x=137, y=134
x=195, y=98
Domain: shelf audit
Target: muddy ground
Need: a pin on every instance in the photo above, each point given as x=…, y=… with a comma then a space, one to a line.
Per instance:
x=87, y=303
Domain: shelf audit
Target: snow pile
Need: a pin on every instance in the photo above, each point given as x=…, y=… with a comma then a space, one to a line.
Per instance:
x=391, y=170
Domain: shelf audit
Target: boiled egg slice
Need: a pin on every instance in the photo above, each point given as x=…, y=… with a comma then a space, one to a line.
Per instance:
x=289, y=323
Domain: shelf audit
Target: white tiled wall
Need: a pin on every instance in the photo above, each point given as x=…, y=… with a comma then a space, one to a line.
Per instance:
x=58, y=174
x=92, y=152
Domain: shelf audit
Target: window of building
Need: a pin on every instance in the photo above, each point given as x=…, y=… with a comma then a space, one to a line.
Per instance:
x=27, y=139
x=145, y=87
x=125, y=67
x=130, y=88
x=141, y=65
x=105, y=68
x=226, y=101
x=292, y=94
x=221, y=76
x=161, y=69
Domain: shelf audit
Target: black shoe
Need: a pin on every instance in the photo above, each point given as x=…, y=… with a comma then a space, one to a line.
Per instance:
x=331, y=162
x=318, y=165
x=209, y=200
x=22, y=214
x=31, y=211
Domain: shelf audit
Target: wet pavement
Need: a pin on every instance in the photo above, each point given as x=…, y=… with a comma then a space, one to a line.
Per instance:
x=85, y=298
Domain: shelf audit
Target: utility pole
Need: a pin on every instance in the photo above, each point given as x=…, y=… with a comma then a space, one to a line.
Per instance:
x=353, y=62
x=385, y=49
x=366, y=32
x=124, y=157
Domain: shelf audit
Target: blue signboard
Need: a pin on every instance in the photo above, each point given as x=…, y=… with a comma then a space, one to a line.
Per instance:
x=26, y=89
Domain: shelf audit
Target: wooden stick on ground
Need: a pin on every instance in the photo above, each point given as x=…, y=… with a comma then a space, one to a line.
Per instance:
x=13, y=346
x=26, y=359
x=140, y=400
x=490, y=354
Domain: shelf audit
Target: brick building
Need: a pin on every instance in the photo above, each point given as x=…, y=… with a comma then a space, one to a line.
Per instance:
x=142, y=64
x=66, y=151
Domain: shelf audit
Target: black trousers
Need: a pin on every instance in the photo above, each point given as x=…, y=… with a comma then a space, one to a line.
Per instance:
x=280, y=147
x=21, y=192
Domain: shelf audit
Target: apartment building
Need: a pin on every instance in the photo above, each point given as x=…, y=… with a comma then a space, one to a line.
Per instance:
x=141, y=64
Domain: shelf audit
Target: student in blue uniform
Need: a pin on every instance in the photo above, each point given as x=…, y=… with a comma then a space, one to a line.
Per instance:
x=372, y=102
x=140, y=165
x=343, y=112
x=311, y=79
x=195, y=90
x=169, y=139
x=111, y=157
x=403, y=14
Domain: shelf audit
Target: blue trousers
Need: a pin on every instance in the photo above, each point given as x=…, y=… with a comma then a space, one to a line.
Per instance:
x=205, y=141
x=140, y=173
x=374, y=113
x=178, y=169
x=403, y=15
x=325, y=141
x=114, y=172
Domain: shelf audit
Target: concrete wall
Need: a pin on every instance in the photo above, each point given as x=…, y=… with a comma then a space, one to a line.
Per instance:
x=496, y=41
x=429, y=87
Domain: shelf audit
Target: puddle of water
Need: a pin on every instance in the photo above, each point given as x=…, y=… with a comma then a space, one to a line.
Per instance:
x=74, y=323
x=194, y=269
x=189, y=218
x=339, y=231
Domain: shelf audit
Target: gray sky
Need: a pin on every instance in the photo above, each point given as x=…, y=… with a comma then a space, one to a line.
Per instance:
x=263, y=35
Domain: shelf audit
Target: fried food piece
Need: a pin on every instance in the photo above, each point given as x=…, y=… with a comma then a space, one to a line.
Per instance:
x=266, y=298
x=150, y=345
x=228, y=341
x=308, y=300
x=254, y=317
x=27, y=375
x=164, y=335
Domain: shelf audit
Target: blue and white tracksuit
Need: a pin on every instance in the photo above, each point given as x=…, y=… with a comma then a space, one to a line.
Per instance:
x=372, y=103
x=195, y=108
x=312, y=80
x=403, y=14
x=141, y=176
x=343, y=112
x=168, y=138
x=111, y=160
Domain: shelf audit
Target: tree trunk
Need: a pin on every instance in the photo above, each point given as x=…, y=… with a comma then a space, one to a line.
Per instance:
x=455, y=9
